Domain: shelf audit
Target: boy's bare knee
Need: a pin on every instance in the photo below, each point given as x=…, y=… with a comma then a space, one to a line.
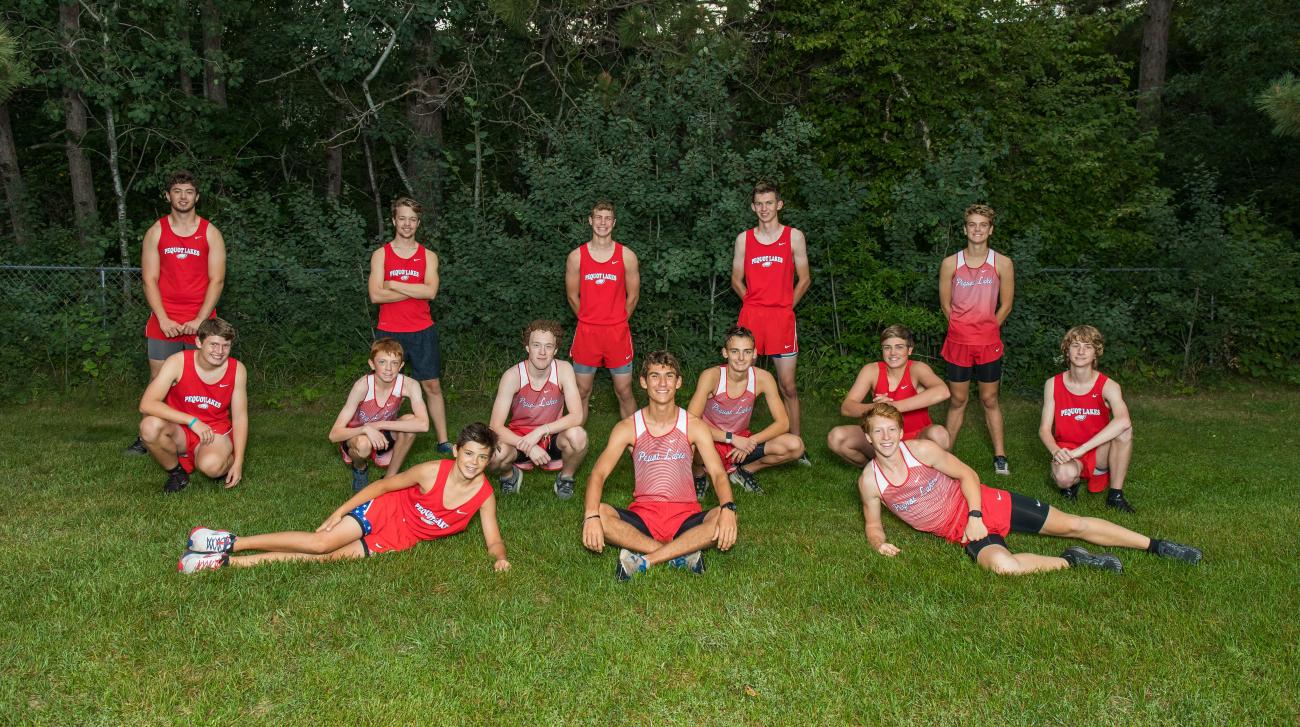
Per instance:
x=989, y=401
x=151, y=428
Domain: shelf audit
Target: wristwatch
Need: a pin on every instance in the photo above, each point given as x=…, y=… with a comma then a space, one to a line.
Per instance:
x=729, y=436
x=976, y=513
x=728, y=506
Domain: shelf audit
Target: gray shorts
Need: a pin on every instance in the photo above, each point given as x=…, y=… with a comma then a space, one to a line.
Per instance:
x=160, y=350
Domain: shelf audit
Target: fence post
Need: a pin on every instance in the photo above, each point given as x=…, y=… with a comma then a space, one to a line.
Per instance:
x=103, y=301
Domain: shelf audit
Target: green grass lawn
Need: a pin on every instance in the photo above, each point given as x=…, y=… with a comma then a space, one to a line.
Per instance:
x=801, y=623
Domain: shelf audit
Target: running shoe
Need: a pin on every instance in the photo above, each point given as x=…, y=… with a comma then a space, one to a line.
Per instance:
x=207, y=540
x=745, y=480
x=1071, y=493
x=701, y=486
x=1175, y=551
x=195, y=562
x=629, y=564
x=137, y=447
x=1000, y=466
x=512, y=484
x=177, y=480
x=694, y=562
x=803, y=459
x=1115, y=499
x=563, y=487
x=360, y=478
x=1076, y=557
x=444, y=448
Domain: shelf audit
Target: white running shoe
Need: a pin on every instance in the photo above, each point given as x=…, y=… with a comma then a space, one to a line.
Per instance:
x=207, y=540
x=194, y=562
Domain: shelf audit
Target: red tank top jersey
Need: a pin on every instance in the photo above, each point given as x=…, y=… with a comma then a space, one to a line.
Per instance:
x=427, y=516
x=974, y=319
x=913, y=421
x=769, y=271
x=726, y=413
x=662, y=465
x=182, y=276
x=531, y=408
x=371, y=410
x=209, y=402
x=602, y=288
x=927, y=499
x=1078, y=416
x=410, y=314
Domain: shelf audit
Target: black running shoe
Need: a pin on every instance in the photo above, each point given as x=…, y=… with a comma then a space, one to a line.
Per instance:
x=1000, y=466
x=177, y=480
x=744, y=479
x=701, y=486
x=1078, y=557
x=1175, y=551
x=137, y=448
x=1115, y=499
x=1071, y=493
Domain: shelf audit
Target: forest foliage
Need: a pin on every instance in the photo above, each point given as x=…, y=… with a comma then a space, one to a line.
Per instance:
x=881, y=121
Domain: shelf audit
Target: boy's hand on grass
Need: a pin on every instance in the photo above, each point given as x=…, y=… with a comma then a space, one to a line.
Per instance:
x=888, y=549
x=501, y=566
x=234, y=475
x=593, y=535
x=725, y=530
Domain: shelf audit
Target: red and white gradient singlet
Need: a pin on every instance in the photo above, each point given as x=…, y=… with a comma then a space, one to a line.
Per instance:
x=662, y=465
x=913, y=421
x=370, y=410
x=1078, y=416
x=726, y=413
x=928, y=500
x=532, y=408
x=209, y=402
x=769, y=271
x=410, y=314
x=602, y=288
x=182, y=277
x=974, y=320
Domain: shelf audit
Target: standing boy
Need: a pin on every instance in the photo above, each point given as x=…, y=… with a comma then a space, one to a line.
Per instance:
x=183, y=269
x=976, y=288
x=403, y=279
x=764, y=266
x=602, y=279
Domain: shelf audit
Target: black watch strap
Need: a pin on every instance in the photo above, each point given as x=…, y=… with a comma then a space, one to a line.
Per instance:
x=728, y=506
x=976, y=513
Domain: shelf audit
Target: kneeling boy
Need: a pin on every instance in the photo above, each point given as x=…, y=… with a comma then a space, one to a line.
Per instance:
x=196, y=411
x=368, y=426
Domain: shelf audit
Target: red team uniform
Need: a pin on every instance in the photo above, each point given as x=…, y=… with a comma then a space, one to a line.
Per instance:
x=400, y=519
x=664, y=497
x=371, y=410
x=974, y=336
x=913, y=421
x=602, y=338
x=731, y=415
x=1078, y=418
x=932, y=502
x=408, y=315
x=182, y=278
x=209, y=402
x=532, y=408
x=768, y=307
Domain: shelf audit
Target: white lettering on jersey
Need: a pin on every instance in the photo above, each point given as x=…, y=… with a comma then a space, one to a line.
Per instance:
x=203, y=402
x=181, y=252
x=1080, y=413
x=669, y=457
x=429, y=518
x=403, y=274
x=600, y=278
x=766, y=260
x=981, y=280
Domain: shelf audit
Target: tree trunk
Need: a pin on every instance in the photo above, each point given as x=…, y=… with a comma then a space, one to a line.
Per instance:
x=15, y=189
x=334, y=169
x=424, y=158
x=183, y=34
x=74, y=108
x=214, y=81
x=1155, y=53
x=374, y=188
